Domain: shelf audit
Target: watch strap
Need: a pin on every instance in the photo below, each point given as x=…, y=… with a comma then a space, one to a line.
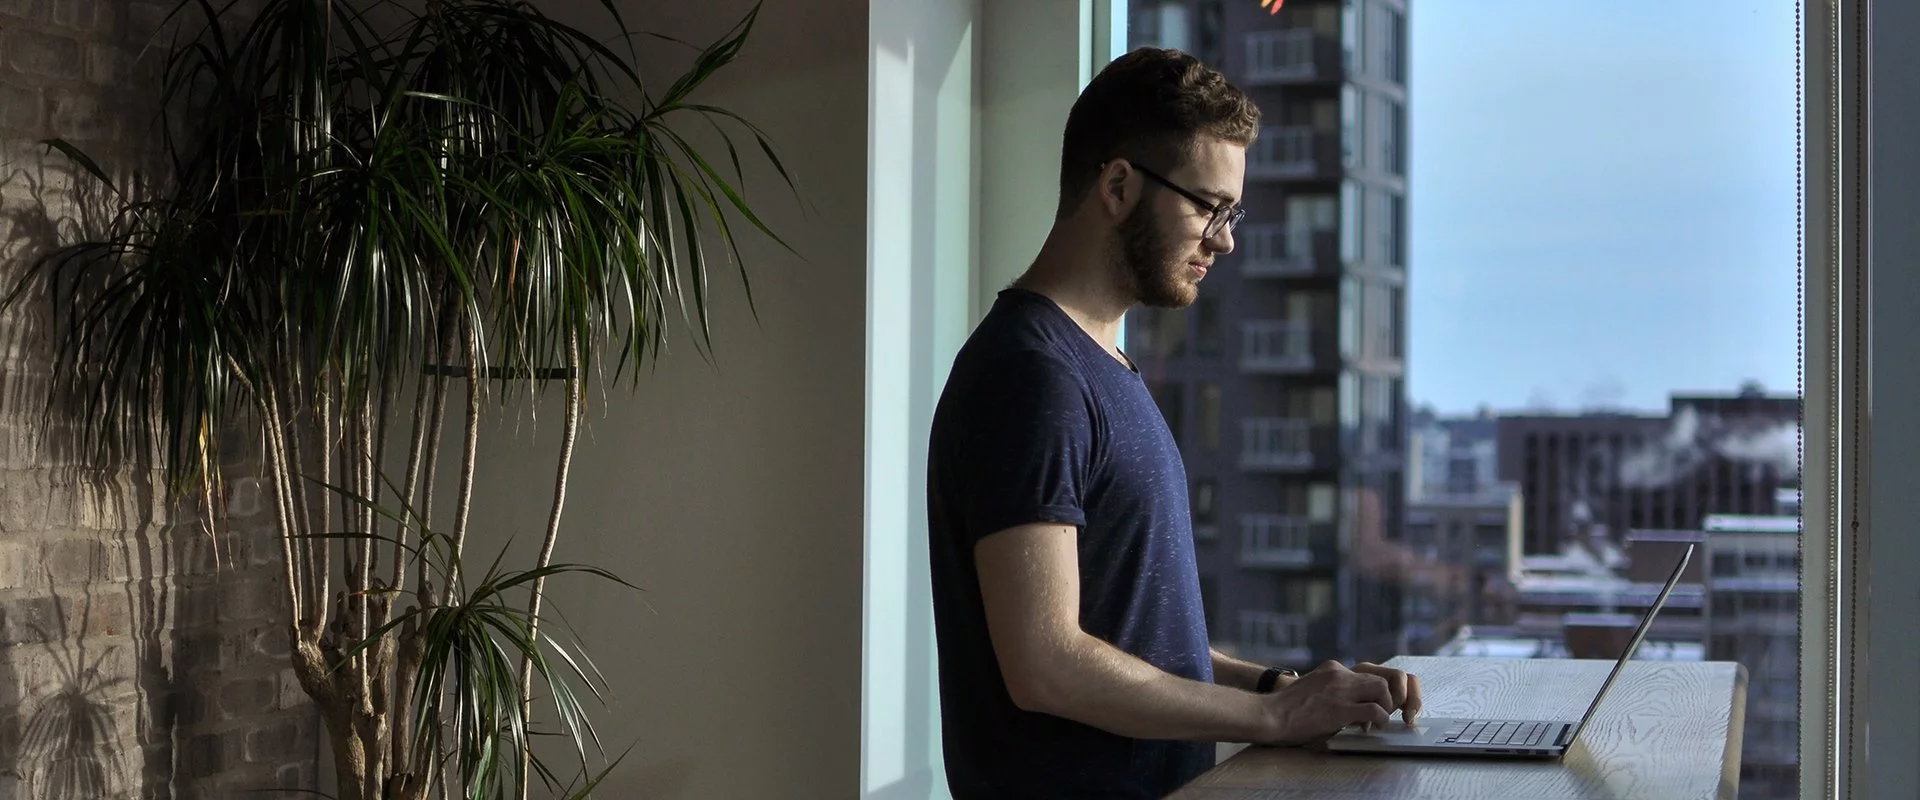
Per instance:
x=1271, y=677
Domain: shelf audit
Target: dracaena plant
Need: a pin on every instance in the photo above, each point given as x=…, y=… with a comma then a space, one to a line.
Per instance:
x=376, y=222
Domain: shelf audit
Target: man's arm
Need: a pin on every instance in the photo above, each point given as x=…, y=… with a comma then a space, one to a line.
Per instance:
x=1030, y=580
x=1243, y=675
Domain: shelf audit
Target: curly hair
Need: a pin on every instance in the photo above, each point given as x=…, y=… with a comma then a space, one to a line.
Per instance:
x=1151, y=105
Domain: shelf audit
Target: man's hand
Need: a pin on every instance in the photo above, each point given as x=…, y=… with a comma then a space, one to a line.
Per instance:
x=1332, y=697
x=1405, y=687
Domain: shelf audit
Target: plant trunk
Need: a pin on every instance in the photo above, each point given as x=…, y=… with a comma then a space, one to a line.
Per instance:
x=568, y=433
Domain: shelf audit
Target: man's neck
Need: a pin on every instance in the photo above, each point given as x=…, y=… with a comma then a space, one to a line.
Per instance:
x=1083, y=287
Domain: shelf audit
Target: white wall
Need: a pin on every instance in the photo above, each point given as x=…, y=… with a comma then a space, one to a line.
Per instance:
x=732, y=493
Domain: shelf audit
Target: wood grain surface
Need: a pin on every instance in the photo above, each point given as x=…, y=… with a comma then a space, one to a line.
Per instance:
x=1666, y=730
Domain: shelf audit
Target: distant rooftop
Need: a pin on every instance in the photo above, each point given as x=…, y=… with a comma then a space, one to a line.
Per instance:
x=1750, y=523
x=1468, y=645
x=1768, y=584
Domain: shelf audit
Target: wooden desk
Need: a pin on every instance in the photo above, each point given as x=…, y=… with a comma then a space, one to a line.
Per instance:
x=1666, y=730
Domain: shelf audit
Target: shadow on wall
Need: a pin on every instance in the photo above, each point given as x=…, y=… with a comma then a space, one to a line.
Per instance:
x=125, y=624
x=66, y=741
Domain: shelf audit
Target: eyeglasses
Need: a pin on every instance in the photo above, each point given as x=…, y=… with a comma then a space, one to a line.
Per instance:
x=1222, y=216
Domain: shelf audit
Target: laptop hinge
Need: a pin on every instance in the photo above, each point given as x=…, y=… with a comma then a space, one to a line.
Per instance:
x=1566, y=736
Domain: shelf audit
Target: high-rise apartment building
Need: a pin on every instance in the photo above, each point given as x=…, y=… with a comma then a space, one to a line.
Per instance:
x=1285, y=382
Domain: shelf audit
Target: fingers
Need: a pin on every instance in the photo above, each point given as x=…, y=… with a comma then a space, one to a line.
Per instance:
x=1375, y=689
x=1403, y=685
x=1370, y=715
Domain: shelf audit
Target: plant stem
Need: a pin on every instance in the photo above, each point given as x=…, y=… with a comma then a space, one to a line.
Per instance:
x=323, y=562
x=568, y=433
x=277, y=456
x=406, y=665
x=468, y=455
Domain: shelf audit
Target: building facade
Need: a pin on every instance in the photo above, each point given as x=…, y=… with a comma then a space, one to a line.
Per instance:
x=1710, y=454
x=1465, y=552
x=1285, y=382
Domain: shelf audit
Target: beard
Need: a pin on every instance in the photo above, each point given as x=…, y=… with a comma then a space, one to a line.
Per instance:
x=1152, y=264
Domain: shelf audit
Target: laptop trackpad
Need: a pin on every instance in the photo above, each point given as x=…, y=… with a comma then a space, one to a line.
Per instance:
x=1422, y=731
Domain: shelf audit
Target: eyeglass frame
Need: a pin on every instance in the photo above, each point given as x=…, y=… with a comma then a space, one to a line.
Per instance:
x=1219, y=215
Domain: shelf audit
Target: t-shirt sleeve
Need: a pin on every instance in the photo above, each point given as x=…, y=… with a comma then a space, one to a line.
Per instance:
x=1022, y=446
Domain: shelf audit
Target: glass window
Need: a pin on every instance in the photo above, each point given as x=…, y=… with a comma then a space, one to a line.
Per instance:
x=1172, y=399
x=1394, y=45
x=1161, y=24
x=1350, y=323
x=1558, y=289
x=1203, y=491
x=1352, y=106
x=1351, y=221
x=1170, y=332
x=1208, y=340
x=1350, y=18
x=1396, y=230
x=1210, y=416
x=1206, y=33
x=1396, y=137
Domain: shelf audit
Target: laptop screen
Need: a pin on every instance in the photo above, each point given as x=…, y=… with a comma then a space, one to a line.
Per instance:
x=1638, y=634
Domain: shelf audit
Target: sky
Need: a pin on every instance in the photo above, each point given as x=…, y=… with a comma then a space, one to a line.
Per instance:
x=1601, y=202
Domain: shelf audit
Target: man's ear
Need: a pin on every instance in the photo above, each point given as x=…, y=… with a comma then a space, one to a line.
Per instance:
x=1112, y=190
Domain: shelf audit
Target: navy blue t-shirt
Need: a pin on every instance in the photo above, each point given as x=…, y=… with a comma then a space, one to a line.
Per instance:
x=1038, y=423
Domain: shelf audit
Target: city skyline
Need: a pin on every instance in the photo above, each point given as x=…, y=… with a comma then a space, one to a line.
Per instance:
x=1602, y=203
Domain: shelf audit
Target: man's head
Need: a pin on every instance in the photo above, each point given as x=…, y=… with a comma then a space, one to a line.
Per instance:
x=1155, y=156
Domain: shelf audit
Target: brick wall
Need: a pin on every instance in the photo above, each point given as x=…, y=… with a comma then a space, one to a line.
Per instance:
x=141, y=655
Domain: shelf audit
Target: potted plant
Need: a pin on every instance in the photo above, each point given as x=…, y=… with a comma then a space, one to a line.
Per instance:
x=374, y=218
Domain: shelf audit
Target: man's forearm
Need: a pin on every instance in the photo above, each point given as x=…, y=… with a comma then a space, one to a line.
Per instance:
x=1097, y=684
x=1243, y=675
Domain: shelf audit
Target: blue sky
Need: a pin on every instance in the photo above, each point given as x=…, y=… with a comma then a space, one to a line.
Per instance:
x=1601, y=201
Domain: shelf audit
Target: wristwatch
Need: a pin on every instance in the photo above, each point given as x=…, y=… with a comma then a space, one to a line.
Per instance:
x=1272, y=676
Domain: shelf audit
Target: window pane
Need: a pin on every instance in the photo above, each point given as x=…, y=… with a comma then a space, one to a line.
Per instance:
x=1605, y=254
x=1209, y=339
x=1210, y=416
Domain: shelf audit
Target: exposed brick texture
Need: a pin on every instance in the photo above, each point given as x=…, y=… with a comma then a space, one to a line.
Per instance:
x=117, y=610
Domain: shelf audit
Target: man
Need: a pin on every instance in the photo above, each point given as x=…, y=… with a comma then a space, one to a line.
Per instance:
x=1074, y=657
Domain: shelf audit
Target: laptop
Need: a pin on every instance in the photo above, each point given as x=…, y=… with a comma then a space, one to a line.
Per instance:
x=1499, y=738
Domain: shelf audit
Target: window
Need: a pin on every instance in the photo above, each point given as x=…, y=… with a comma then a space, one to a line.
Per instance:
x=1393, y=45
x=1172, y=399
x=1208, y=340
x=1206, y=34
x=1203, y=491
x=1351, y=222
x=1165, y=24
x=1351, y=17
x=1352, y=132
x=1210, y=416
x=1487, y=173
x=1395, y=137
x=1396, y=231
x=1169, y=332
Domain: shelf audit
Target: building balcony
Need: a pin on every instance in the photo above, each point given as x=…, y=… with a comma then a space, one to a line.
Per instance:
x=1293, y=152
x=1276, y=347
x=1295, y=55
x=1271, y=637
x=1278, y=541
x=1269, y=251
x=1278, y=443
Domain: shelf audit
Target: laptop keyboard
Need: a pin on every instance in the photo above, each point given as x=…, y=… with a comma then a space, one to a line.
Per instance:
x=1485, y=732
